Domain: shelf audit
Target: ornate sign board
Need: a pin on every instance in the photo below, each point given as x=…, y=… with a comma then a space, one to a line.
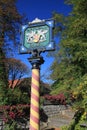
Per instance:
x=37, y=35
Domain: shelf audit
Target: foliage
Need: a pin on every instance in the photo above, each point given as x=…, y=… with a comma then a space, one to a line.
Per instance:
x=79, y=119
x=3, y=79
x=44, y=88
x=69, y=69
x=56, y=99
x=15, y=70
x=16, y=97
x=12, y=115
x=9, y=22
x=70, y=61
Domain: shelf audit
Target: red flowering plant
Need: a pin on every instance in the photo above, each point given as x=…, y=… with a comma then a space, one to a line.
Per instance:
x=56, y=99
x=14, y=113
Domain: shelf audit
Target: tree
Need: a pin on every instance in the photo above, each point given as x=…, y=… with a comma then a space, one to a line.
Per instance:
x=70, y=64
x=20, y=93
x=70, y=61
x=16, y=70
x=9, y=25
x=10, y=21
x=3, y=78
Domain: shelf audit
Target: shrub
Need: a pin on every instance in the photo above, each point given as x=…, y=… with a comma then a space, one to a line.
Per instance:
x=56, y=99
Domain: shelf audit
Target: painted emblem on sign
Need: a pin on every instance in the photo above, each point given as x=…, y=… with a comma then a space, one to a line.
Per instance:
x=36, y=36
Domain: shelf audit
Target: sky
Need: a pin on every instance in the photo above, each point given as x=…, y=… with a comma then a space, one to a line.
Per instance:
x=41, y=9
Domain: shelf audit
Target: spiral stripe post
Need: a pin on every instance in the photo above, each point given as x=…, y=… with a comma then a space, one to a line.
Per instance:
x=35, y=91
x=34, y=109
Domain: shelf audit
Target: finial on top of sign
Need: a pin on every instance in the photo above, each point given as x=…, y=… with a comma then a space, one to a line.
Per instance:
x=36, y=20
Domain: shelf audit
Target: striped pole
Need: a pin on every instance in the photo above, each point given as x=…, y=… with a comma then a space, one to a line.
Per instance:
x=34, y=109
x=35, y=93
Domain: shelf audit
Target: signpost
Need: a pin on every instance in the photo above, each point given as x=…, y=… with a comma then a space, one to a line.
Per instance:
x=36, y=37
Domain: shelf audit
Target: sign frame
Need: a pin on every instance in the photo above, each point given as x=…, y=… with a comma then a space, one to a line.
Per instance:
x=37, y=35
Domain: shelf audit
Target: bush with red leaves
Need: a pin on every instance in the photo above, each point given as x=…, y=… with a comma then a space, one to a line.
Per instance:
x=56, y=99
x=14, y=113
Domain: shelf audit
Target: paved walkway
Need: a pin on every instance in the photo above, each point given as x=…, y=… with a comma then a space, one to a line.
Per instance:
x=64, y=118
